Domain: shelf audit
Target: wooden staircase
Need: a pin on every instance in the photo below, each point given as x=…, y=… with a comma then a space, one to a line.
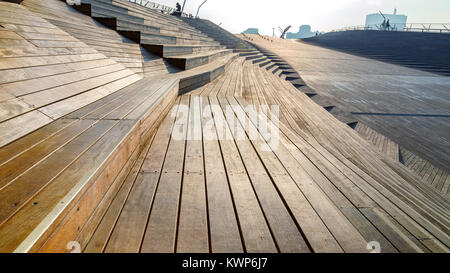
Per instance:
x=183, y=46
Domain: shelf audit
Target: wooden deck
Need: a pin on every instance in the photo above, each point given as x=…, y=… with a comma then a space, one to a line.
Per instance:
x=97, y=151
x=430, y=174
x=397, y=107
x=409, y=106
x=384, y=144
x=72, y=121
x=211, y=181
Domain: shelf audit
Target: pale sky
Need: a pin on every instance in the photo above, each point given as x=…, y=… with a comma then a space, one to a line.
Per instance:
x=322, y=15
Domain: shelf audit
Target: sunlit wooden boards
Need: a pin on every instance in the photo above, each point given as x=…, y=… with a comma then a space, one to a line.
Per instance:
x=129, y=172
x=77, y=164
x=212, y=182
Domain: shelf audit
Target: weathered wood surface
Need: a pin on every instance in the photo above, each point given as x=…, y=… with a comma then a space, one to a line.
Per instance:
x=107, y=41
x=73, y=123
x=67, y=172
x=46, y=73
x=382, y=143
x=209, y=179
x=320, y=187
x=410, y=107
x=430, y=174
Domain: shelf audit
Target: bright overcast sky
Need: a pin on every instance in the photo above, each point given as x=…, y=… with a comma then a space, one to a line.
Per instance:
x=323, y=15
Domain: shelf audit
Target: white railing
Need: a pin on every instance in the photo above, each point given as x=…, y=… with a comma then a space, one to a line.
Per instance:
x=412, y=27
x=419, y=27
x=159, y=7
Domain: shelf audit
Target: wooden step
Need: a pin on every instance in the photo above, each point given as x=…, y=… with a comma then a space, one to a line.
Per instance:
x=102, y=139
x=170, y=50
x=164, y=22
x=201, y=75
x=190, y=61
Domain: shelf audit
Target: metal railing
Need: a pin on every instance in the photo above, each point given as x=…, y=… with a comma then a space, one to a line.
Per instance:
x=411, y=27
x=159, y=7
x=419, y=27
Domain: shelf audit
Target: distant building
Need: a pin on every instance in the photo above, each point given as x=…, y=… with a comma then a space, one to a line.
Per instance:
x=303, y=32
x=251, y=31
x=397, y=22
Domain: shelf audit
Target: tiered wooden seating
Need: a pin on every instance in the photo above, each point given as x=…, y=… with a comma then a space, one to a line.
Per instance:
x=133, y=168
x=46, y=73
x=183, y=46
x=130, y=54
x=219, y=34
x=58, y=177
x=73, y=122
x=104, y=40
x=321, y=188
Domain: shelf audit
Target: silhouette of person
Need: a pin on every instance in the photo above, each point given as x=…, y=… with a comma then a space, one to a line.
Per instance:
x=177, y=11
x=388, y=25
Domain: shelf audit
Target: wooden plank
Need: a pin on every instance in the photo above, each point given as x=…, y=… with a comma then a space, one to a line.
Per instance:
x=97, y=241
x=126, y=237
x=348, y=237
x=23, y=144
x=283, y=227
x=192, y=236
x=162, y=224
x=21, y=62
x=58, y=93
x=35, y=85
x=254, y=229
x=347, y=208
x=61, y=108
x=385, y=192
x=15, y=128
x=49, y=199
x=16, y=75
x=96, y=193
x=102, y=220
x=364, y=229
x=20, y=164
x=224, y=228
x=18, y=192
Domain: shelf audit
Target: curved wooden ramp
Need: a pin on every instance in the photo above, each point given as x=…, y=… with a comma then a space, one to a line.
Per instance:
x=393, y=105
x=212, y=181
